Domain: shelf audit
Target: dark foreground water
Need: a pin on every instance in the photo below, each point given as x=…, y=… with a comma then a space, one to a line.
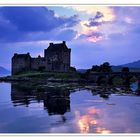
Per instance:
x=64, y=111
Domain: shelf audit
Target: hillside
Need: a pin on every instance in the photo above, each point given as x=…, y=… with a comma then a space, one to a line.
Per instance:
x=119, y=68
x=4, y=71
x=135, y=64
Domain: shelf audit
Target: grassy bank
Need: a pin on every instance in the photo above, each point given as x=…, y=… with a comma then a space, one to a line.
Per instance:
x=44, y=76
x=62, y=75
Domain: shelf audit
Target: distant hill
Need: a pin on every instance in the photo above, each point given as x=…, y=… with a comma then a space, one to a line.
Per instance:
x=135, y=64
x=4, y=71
x=119, y=68
x=133, y=67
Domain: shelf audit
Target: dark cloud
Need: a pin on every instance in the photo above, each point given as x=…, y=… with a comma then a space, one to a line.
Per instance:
x=35, y=18
x=94, y=21
x=98, y=15
x=18, y=23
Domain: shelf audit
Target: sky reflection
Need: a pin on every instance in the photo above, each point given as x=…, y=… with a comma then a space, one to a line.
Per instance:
x=89, y=123
x=78, y=112
x=118, y=114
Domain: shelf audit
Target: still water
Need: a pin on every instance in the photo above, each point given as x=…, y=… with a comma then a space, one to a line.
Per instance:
x=64, y=111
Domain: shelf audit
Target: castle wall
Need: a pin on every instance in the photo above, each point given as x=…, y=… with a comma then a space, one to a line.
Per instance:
x=38, y=64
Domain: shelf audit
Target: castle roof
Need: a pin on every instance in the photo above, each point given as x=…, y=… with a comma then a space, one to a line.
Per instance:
x=57, y=47
x=22, y=55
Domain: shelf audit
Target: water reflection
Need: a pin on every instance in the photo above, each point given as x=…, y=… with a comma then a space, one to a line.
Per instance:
x=43, y=108
x=56, y=101
x=102, y=130
x=90, y=123
x=85, y=122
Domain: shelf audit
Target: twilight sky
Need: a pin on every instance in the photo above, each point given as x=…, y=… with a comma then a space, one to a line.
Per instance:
x=95, y=34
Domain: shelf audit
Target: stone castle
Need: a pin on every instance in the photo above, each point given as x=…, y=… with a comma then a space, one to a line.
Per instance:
x=56, y=59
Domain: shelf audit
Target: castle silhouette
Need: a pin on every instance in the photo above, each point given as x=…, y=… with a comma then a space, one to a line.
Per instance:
x=56, y=59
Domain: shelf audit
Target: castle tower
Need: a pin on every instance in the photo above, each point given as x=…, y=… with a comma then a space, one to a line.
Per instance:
x=58, y=57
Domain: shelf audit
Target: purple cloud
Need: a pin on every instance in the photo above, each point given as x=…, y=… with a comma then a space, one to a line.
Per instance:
x=95, y=34
x=94, y=21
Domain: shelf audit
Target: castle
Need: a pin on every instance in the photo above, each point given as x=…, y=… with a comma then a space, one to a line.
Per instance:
x=56, y=59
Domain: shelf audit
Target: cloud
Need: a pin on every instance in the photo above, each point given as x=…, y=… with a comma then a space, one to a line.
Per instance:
x=98, y=15
x=91, y=30
x=93, y=26
x=18, y=23
x=108, y=12
x=96, y=20
x=127, y=13
x=92, y=36
x=112, y=33
x=36, y=18
x=92, y=22
x=126, y=22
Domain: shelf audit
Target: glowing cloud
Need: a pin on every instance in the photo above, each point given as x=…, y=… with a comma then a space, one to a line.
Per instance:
x=84, y=29
x=107, y=11
x=99, y=16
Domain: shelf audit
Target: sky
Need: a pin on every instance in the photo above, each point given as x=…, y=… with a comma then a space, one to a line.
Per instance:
x=96, y=34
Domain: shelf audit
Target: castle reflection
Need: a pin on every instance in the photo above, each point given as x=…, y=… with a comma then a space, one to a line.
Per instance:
x=55, y=100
